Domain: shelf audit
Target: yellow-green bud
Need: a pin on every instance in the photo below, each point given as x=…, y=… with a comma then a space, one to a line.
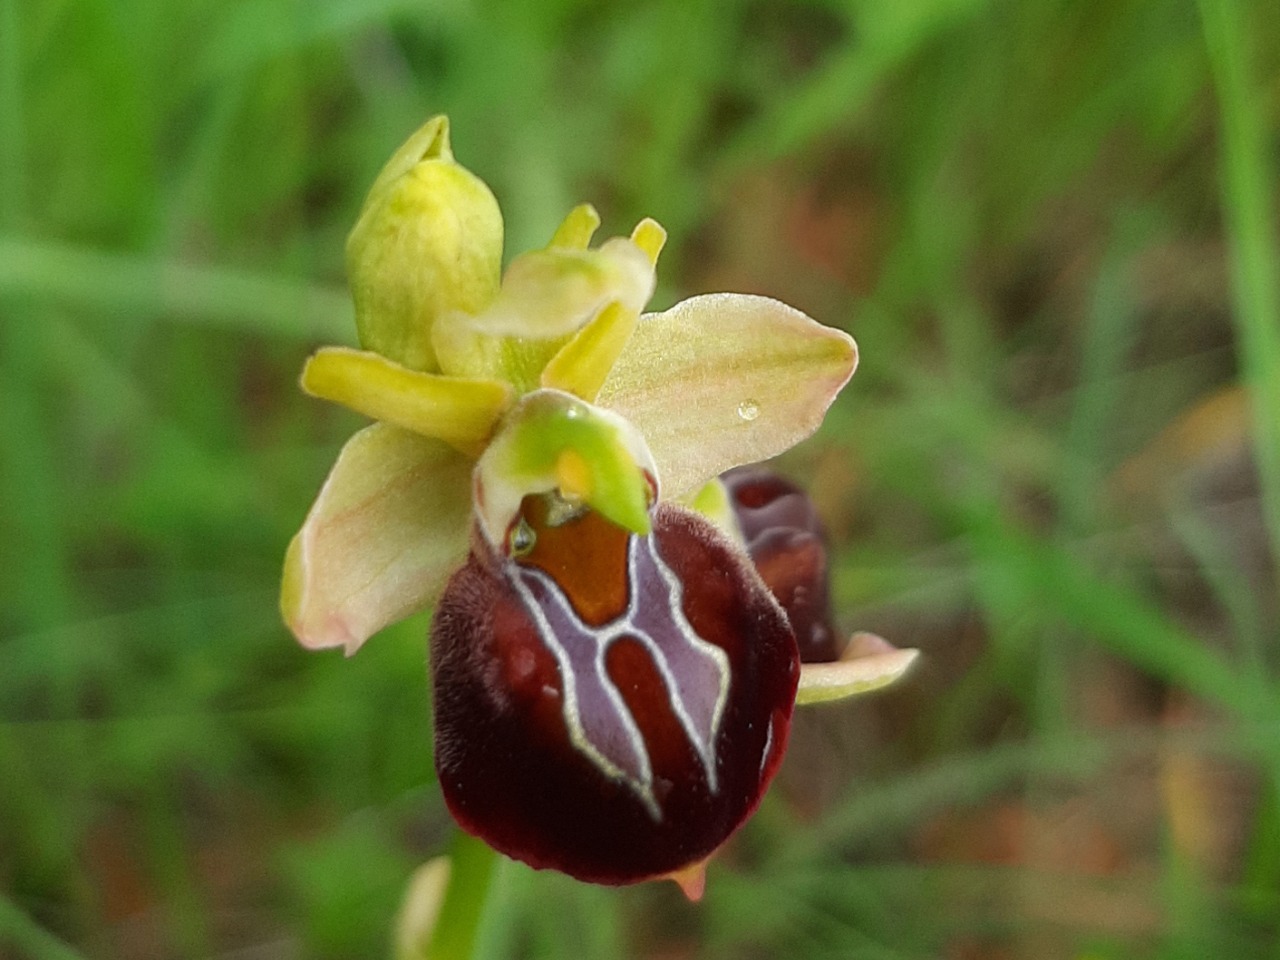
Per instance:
x=428, y=243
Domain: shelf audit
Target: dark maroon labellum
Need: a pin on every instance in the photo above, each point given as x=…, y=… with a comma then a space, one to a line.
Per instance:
x=788, y=546
x=609, y=705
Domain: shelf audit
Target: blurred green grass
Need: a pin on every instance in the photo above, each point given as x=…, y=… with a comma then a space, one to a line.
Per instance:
x=1050, y=225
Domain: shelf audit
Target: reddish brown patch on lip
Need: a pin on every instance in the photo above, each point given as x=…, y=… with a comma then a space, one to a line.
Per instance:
x=586, y=556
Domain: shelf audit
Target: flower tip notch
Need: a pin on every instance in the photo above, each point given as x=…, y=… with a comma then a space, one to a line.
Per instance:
x=692, y=880
x=429, y=142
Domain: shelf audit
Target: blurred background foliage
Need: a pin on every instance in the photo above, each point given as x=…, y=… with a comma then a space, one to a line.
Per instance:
x=1050, y=225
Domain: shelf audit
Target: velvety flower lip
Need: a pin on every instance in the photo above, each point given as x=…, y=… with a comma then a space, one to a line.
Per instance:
x=620, y=637
x=653, y=775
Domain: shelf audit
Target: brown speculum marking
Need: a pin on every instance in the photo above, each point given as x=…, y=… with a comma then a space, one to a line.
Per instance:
x=610, y=705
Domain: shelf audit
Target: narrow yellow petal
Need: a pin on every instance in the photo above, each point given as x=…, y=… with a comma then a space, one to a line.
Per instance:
x=650, y=236
x=461, y=412
x=577, y=229
x=869, y=663
x=582, y=365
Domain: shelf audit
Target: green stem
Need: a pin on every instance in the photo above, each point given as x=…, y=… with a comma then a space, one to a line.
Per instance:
x=471, y=870
x=1249, y=203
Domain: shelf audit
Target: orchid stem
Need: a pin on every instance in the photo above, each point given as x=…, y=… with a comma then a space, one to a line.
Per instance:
x=472, y=867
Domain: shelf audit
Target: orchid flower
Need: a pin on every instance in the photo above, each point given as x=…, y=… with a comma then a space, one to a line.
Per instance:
x=614, y=648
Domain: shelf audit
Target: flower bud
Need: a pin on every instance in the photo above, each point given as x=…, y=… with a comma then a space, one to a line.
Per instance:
x=787, y=544
x=428, y=243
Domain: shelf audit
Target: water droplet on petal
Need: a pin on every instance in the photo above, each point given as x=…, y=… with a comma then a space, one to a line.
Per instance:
x=748, y=410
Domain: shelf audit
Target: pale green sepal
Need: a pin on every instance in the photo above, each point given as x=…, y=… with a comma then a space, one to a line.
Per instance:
x=461, y=412
x=726, y=379
x=712, y=501
x=869, y=663
x=390, y=525
x=553, y=441
x=428, y=242
x=552, y=292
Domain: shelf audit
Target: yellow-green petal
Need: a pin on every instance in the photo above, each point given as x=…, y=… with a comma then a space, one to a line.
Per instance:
x=870, y=663
x=582, y=365
x=726, y=379
x=459, y=411
x=428, y=243
x=713, y=502
x=390, y=524
x=577, y=228
x=546, y=296
x=650, y=236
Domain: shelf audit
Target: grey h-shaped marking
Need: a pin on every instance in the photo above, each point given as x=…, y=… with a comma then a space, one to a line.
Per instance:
x=598, y=721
